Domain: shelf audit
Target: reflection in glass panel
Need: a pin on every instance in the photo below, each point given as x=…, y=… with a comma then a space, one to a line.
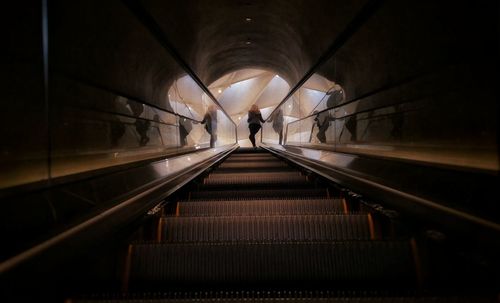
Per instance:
x=274, y=130
x=316, y=95
x=94, y=128
x=390, y=125
x=318, y=129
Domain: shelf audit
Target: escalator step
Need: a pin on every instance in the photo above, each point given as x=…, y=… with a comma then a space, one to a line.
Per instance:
x=249, y=164
x=254, y=159
x=246, y=296
x=290, y=193
x=339, y=265
x=262, y=179
x=268, y=228
x=251, y=154
x=262, y=207
x=226, y=170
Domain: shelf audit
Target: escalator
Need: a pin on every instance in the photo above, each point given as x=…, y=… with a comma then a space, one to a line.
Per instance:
x=257, y=229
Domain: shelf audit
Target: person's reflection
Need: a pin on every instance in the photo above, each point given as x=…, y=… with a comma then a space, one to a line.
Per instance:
x=322, y=120
x=352, y=124
x=277, y=119
x=337, y=96
x=141, y=125
x=210, y=121
x=185, y=127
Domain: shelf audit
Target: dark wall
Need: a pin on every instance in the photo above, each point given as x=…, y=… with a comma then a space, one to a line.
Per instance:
x=70, y=127
x=423, y=73
x=23, y=114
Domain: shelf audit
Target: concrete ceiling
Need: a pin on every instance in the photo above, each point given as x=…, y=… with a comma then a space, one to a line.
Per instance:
x=285, y=37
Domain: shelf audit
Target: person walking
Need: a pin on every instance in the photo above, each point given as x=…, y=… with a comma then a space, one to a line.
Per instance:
x=254, y=120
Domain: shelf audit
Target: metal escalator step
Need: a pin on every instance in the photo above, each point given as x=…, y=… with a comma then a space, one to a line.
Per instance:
x=237, y=174
x=290, y=193
x=283, y=296
x=228, y=170
x=338, y=265
x=263, y=179
x=249, y=164
x=235, y=155
x=253, y=159
x=262, y=207
x=265, y=228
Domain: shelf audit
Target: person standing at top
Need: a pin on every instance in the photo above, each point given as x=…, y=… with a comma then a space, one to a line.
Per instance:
x=277, y=119
x=254, y=120
x=210, y=121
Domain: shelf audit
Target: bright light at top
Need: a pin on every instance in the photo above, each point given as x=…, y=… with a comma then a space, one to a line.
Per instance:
x=248, y=19
x=220, y=90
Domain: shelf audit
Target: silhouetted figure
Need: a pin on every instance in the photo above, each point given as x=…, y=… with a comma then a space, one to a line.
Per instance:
x=185, y=128
x=210, y=121
x=323, y=122
x=352, y=124
x=277, y=119
x=336, y=97
x=141, y=125
x=254, y=120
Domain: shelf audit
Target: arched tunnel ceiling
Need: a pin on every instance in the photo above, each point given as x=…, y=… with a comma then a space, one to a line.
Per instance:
x=284, y=36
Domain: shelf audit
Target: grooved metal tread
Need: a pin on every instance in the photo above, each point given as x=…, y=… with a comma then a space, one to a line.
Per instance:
x=274, y=296
x=249, y=164
x=250, y=154
x=340, y=264
x=255, y=159
x=226, y=170
x=224, y=195
x=262, y=207
x=277, y=178
x=276, y=174
x=266, y=228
